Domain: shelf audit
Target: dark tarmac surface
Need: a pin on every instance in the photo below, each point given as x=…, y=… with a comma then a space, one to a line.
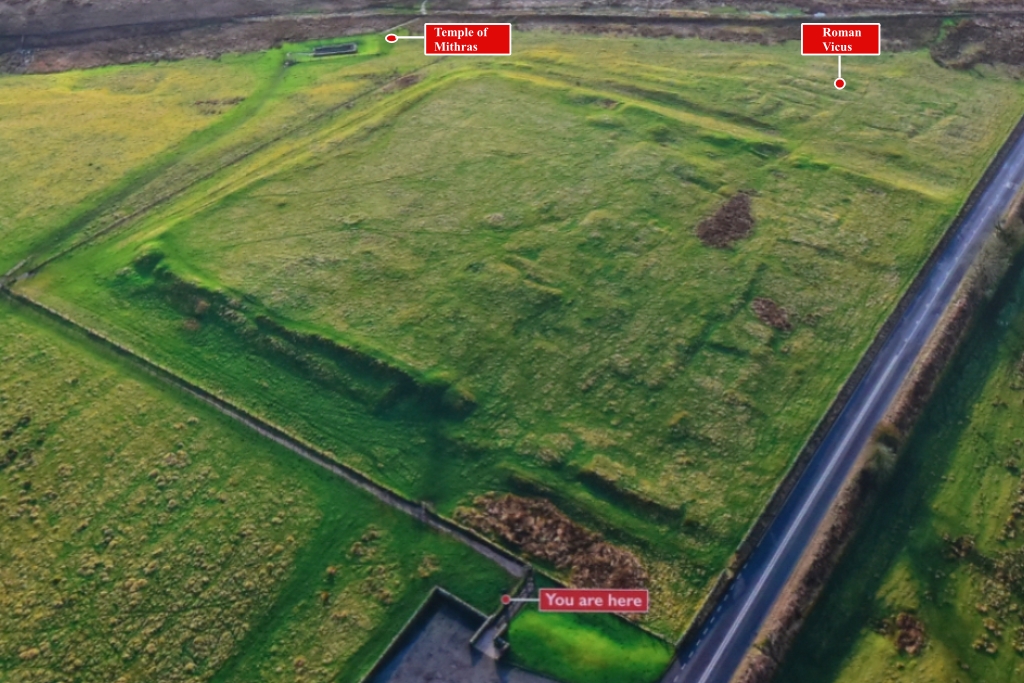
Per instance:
x=440, y=653
x=739, y=615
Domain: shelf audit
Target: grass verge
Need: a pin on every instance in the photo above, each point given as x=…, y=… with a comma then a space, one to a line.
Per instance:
x=938, y=561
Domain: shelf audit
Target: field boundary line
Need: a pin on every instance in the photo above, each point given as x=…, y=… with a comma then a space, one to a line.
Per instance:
x=513, y=564
x=770, y=511
x=173, y=193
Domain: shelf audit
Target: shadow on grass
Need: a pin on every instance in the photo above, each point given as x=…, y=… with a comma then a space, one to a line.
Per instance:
x=849, y=605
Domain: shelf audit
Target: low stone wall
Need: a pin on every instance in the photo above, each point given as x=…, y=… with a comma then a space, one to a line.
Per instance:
x=510, y=562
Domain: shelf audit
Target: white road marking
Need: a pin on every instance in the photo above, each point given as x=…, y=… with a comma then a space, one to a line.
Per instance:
x=851, y=432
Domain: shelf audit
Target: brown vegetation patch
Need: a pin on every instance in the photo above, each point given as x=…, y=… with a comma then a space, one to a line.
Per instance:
x=542, y=531
x=732, y=222
x=909, y=633
x=960, y=547
x=1009, y=567
x=758, y=667
x=226, y=102
x=771, y=314
x=973, y=42
x=169, y=41
x=402, y=83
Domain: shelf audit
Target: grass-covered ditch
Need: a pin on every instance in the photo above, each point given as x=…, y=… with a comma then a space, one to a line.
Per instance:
x=466, y=277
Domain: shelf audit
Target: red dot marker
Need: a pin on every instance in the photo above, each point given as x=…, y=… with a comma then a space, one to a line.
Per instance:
x=840, y=84
x=391, y=38
x=506, y=599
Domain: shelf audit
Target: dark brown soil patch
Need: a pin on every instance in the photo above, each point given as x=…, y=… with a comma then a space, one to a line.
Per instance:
x=732, y=222
x=909, y=633
x=542, y=531
x=771, y=314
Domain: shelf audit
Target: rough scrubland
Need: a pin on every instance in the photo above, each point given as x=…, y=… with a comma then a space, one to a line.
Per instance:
x=931, y=590
x=485, y=275
x=145, y=537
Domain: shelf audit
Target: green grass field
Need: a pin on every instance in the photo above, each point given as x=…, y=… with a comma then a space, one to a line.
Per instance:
x=73, y=142
x=944, y=544
x=145, y=537
x=580, y=648
x=464, y=276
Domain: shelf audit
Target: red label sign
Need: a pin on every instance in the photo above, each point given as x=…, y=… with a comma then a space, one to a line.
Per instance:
x=467, y=39
x=840, y=39
x=594, y=600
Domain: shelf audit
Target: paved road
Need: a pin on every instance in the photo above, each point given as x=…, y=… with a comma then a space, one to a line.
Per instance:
x=729, y=633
